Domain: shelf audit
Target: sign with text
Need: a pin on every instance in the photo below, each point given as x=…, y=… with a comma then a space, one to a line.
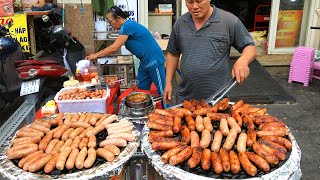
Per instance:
x=131, y=6
x=18, y=30
x=288, y=29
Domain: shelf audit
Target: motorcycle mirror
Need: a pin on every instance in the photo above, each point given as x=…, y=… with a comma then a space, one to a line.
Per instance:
x=45, y=18
x=10, y=24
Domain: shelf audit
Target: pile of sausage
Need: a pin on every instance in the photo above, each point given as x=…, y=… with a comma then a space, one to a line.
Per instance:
x=184, y=134
x=82, y=93
x=68, y=141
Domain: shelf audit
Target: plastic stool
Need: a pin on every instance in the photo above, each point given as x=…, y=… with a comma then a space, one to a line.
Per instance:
x=301, y=65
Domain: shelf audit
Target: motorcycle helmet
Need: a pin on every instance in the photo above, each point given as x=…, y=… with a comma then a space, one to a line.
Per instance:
x=7, y=47
x=59, y=37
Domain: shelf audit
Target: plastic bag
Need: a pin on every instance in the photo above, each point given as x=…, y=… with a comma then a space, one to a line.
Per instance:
x=259, y=37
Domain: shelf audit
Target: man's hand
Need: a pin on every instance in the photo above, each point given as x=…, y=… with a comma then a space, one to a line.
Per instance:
x=167, y=93
x=92, y=57
x=240, y=70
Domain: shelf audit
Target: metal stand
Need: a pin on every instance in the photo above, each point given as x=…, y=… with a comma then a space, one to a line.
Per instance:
x=24, y=113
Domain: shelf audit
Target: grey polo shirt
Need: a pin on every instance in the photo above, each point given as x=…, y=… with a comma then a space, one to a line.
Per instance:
x=205, y=52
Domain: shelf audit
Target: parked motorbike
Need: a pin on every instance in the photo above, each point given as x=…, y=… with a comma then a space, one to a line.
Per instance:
x=10, y=51
x=42, y=76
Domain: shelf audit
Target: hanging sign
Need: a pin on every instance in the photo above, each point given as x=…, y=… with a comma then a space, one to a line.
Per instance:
x=131, y=6
x=18, y=30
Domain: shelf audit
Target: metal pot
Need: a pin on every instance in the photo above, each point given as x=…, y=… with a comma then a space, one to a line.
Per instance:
x=140, y=112
x=144, y=100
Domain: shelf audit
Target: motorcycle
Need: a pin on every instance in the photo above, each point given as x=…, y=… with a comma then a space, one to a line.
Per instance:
x=38, y=80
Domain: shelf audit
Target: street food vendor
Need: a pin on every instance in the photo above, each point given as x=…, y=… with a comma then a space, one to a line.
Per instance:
x=36, y=5
x=140, y=42
x=203, y=37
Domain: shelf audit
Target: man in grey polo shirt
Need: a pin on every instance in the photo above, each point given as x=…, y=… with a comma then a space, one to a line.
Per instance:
x=203, y=36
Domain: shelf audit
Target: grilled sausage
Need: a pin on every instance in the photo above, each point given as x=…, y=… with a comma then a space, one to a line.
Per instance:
x=68, y=117
x=185, y=135
x=66, y=134
x=166, y=156
x=51, y=165
x=157, y=126
x=251, y=137
x=72, y=158
x=104, y=153
x=115, y=141
x=242, y=142
x=259, y=161
x=216, y=143
x=57, y=147
x=168, y=133
x=199, y=124
x=176, y=124
x=165, y=145
x=28, y=157
x=28, y=134
x=191, y=123
x=247, y=165
x=40, y=127
x=83, y=143
x=92, y=155
x=225, y=159
x=280, y=140
x=62, y=158
x=237, y=117
x=60, y=131
x=270, y=158
x=216, y=162
x=45, y=141
x=112, y=148
x=206, y=159
x=207, y=124
x=223, y=105
x=163, y=112
x=234, y=162
x=195, y=140
x=81, y=158
x=195, y=158
x=92, y=142
x=40, y=163
x=205, y=139
x=217, y=116
x=84, y=133
x=231, y=138
x=162, y=121
x=188, y=105
x=23, y=140
x=161, y=139
x=67, y=143
x=248, y=122
x=236, y=105
x=51, y=145
x=233, y=124
x=271, y=133
x=224, y=127
x=181, y=156
x=75, y=143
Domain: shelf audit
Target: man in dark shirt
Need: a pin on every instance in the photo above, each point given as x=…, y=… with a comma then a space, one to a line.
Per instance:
x=203, y=36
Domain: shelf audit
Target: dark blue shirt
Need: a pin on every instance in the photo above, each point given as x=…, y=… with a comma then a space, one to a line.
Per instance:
x=142, y=44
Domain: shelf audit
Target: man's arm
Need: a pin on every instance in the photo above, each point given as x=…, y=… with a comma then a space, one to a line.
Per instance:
x=110, y=49
x=171, y=65
x=240, y=68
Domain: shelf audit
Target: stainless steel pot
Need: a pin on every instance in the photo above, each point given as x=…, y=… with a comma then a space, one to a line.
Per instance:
x=146, y=101
x=140, y=112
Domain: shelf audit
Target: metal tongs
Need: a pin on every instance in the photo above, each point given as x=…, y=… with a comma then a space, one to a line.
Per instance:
x=218, y=95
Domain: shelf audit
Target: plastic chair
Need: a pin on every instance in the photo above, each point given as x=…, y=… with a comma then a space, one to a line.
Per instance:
x=261, y=18
x=302, y=65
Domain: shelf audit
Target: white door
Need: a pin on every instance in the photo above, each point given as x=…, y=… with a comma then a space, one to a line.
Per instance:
x=288, y=25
